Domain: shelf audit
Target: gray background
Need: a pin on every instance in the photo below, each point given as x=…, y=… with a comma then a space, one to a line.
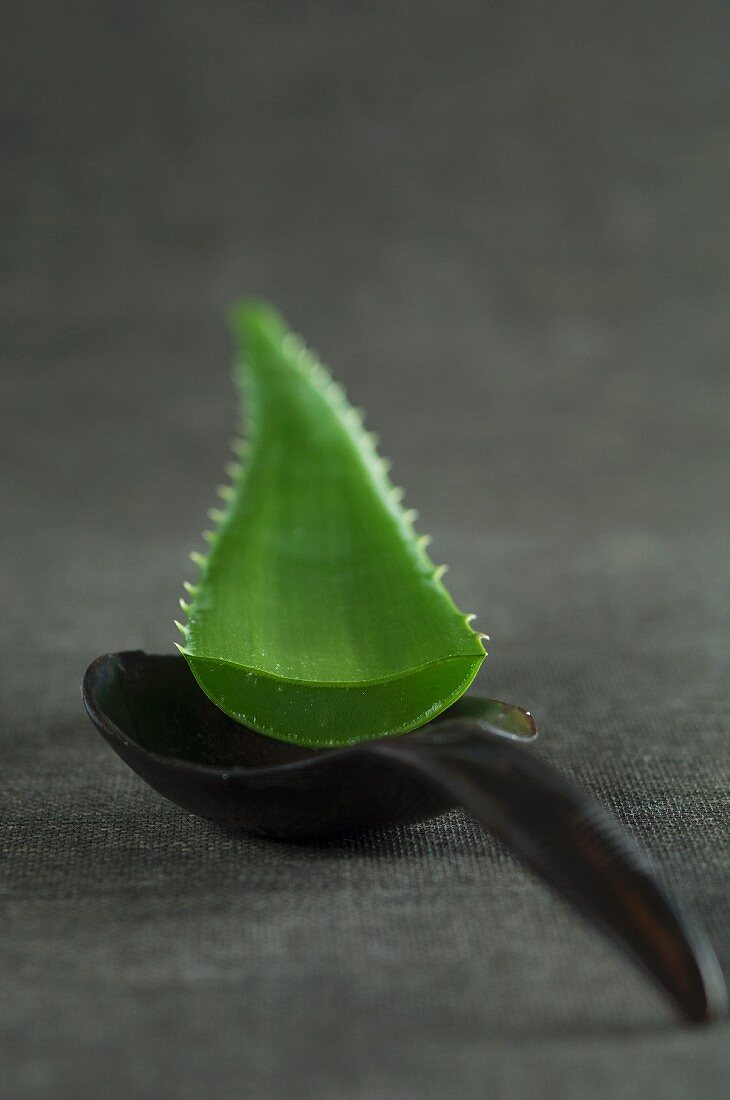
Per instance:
x=504, y=227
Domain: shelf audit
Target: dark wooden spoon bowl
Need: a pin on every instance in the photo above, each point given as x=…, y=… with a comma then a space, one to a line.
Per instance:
x=153, y=714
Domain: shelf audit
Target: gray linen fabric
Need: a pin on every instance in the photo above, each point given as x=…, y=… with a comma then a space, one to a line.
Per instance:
x=503, y=226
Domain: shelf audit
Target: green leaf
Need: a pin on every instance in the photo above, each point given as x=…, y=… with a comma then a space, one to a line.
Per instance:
x=318, y=616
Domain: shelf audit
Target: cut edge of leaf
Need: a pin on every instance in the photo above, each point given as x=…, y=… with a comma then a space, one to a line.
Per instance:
x=293, y=680
x=403, y=702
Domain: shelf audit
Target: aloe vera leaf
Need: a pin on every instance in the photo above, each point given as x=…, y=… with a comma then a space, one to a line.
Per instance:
x=318, y=616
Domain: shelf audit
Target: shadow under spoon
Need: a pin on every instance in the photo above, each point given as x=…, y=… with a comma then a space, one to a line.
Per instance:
x=154, y=715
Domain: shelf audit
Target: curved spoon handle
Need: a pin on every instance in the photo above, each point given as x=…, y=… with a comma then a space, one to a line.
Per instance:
x=575, y=845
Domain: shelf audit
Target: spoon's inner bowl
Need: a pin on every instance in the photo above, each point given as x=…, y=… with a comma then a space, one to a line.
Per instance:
x=156, y=702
